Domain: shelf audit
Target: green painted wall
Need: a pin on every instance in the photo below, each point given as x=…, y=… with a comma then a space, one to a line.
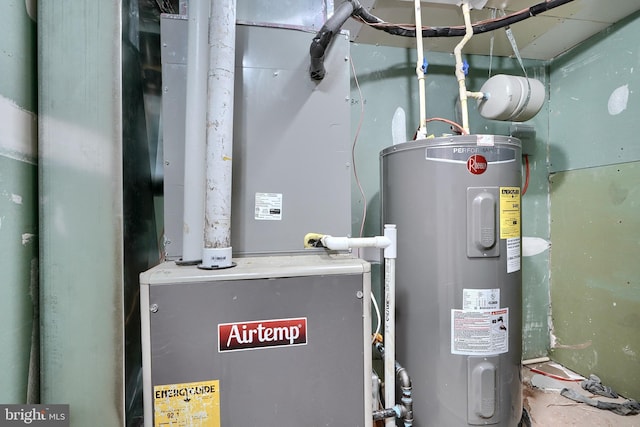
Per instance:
x=17, y=53
x=19, y=266
x=387, y=80
x=595, y=229
x=595, y=200
x=81, y=219
x=594, y=98
x=18, y=207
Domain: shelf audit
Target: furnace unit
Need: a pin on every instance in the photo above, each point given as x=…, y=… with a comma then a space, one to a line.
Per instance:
x=456, y=203
x=275, y=341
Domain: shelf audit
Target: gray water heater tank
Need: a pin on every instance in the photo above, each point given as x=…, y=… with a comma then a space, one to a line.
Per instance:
x=456, y=203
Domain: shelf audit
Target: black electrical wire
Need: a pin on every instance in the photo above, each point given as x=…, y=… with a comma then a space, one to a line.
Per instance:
x=353, y=8
x=478, y=28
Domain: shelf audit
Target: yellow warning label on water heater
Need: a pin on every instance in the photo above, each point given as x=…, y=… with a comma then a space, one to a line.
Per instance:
x=509, y=212
x=189, y=404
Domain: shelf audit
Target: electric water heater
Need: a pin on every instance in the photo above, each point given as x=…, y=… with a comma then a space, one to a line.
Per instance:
x=456, y=204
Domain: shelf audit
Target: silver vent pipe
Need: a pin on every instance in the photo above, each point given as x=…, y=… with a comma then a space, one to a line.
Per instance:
x=217, y=251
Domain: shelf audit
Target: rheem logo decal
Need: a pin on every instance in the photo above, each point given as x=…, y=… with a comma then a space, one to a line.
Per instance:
x=262, y=334
x=477, y=164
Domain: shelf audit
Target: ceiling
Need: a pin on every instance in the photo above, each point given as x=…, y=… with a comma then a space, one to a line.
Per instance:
x=542, y=37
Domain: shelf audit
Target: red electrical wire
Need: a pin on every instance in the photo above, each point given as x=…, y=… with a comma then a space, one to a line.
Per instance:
x=526, y=172
x=555, y=377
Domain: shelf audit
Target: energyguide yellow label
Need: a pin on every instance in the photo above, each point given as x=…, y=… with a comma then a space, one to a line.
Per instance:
x=194, y=404
x=509, y=212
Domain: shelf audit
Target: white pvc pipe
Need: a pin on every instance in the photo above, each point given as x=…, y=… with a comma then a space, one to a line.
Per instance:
x=422, y=130
x=536, y=360
x=459, y=72
x=344, y=243
x=388, y=242
x=195, y=130
x=476, y=95
x=217, y=252
x=390, y=254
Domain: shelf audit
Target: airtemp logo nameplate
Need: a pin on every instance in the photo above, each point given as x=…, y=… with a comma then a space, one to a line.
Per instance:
x=262, y=334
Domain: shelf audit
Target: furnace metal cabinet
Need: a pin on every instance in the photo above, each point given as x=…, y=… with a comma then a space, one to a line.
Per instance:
x=292, y=139
x=275, y=341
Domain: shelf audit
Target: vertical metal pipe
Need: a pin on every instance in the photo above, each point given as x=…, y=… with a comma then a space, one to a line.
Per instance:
x=217, y=252
x=195, y=130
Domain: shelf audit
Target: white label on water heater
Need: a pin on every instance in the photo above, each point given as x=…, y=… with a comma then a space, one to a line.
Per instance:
x=513, y=255
x=485, y=140
x=480, y=332
x=268, y=206
x=480, y=299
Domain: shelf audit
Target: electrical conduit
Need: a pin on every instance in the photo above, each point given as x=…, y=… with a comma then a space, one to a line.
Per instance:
x=217, y=251
x=321, y=41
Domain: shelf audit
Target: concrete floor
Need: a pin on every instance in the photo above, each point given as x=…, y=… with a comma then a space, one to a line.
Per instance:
x=547, y=408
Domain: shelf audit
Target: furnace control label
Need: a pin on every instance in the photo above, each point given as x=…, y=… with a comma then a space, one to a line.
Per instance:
x=268, y=206
x=480, y=332
x=189, y=404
